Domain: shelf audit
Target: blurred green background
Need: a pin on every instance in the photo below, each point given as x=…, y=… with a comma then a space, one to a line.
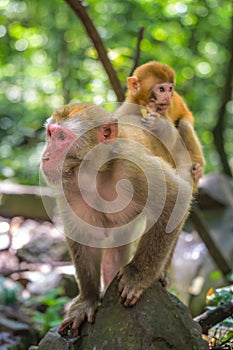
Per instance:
x=47, y=60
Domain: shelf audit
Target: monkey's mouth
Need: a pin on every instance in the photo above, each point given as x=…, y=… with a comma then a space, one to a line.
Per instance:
x=162, y=107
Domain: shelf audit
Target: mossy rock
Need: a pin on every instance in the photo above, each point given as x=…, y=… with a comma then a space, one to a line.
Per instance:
x=158, y=321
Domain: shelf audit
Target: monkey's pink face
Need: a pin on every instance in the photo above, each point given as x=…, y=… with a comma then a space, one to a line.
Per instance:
x=59, y=142
x=161, y=97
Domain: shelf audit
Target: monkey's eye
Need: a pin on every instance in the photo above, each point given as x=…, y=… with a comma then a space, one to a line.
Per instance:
x=170, y=88
x=161, y=89
x=49, y=134
x=61, y=136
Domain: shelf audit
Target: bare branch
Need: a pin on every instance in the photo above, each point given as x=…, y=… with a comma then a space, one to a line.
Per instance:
x=137, y=53
x=214, y=251
x=81, y=12
x=210, y=318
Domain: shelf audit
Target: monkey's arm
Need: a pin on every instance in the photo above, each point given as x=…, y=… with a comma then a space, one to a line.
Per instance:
x=183, y=118
x=193, y=145
x=178, y=110
x=87, y=264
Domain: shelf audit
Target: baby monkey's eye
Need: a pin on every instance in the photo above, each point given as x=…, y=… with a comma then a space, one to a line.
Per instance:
x=161, y=89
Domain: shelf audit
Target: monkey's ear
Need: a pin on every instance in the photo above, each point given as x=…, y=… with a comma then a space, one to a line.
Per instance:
x=133, y=84
x=108, y=132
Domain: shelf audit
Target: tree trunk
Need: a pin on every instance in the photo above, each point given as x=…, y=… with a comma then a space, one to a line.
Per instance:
x=218, y=130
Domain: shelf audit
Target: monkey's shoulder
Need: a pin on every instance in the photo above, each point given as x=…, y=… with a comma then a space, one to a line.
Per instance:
x=178, y=109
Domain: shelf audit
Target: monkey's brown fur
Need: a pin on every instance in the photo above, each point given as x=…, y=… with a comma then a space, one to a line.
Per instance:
x=153, y=249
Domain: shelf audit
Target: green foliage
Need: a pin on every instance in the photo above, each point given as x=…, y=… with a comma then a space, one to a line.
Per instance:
x=217, y=298
x=9, y=291
x=220, y=296
x=47, y=59
x=52, y=305
x=215, y=275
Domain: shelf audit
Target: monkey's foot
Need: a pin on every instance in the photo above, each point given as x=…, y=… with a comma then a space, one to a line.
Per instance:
x=130, y=286
x=79, y=311
x=164, y=279
x=196, y=171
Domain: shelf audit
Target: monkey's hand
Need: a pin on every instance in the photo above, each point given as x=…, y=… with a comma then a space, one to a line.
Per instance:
x=162, y=129
x=197, y=172
x=79, y=311
x=154, y=123
x=130, y=285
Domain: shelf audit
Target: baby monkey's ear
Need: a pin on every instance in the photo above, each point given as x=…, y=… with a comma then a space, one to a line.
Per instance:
x=133, y=84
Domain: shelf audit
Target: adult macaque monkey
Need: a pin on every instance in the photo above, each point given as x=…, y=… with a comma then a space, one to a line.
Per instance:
x=152, y=86
x=118, y=204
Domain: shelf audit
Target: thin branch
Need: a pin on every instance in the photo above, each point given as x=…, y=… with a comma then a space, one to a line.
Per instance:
x=214, y=251
x=218, y=130
x=137, y=53
x=81, y=12
x=210, y=318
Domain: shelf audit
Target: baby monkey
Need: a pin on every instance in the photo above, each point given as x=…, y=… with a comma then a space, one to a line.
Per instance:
x=152, y=86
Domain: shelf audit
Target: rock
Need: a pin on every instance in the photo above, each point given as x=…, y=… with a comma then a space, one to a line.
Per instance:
x=158, y=321
x=215, y=190
x=52, y=340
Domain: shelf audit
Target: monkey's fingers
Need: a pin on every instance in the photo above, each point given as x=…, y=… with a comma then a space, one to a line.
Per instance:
x=152, y=123
x=83, y=314
x=77, y=321
x=150, y=118
x=91, y=315
x=65, y=326
x=129, y=298
x=72, y=324
x=128, y=294
x=78, y=314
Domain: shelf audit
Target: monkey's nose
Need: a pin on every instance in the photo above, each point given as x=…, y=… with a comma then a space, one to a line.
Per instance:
x=45, y=156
